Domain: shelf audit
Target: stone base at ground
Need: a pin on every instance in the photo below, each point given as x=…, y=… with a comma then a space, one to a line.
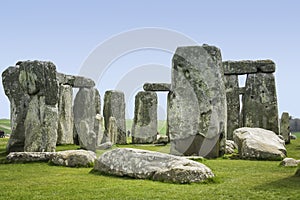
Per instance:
x=74, y=158
x=144, y=164
x=290, y=162
x=258, y=143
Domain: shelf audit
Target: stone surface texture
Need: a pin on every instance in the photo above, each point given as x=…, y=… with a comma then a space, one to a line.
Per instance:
x=233, y=104
x=258, y=143
x=112, y=130
x=86, y=125
x=285, y=127
x=65, y=115
x=144, y=127
x=114, y=106
x=158, y=87
x=29, y=156
x=33, y=93
x=289, y=162
x=248, y=67
x=260, y=107
x=156, y=166
x=197, y=110
x=75, y=81
x=74, y=158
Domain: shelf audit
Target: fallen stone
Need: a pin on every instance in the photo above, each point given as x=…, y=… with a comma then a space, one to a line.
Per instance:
x=258, y=143
x=29, y=156
x=162, y=140
x=157, y=87
x=104, y=146
x=156, y=166
x=74, y=158
x=293, y=137
x=289, y=162
x=230, y=147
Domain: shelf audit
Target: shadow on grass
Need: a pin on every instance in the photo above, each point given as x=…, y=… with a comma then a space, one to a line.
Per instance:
x=291, y=183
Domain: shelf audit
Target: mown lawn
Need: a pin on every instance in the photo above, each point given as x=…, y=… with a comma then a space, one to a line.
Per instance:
x=235, y=179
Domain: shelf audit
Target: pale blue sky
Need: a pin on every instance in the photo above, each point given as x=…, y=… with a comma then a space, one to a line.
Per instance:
x=66, y=32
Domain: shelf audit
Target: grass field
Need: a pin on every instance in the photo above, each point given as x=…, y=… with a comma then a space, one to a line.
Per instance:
x=235, y=179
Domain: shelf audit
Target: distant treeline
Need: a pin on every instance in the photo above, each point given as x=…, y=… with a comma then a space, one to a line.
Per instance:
x=295, y=125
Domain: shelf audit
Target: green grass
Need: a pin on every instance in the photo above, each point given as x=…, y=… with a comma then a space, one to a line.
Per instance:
x=235, y=179
x=5, y=125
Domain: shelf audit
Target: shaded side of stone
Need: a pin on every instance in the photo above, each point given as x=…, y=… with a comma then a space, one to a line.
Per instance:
x=260, y=107
x=159, y=87
x=285, y=127
x=114, y=106
x=144, y=127
x=233, y=104
x=65, y=115
x=19, y=102
x=197, y=118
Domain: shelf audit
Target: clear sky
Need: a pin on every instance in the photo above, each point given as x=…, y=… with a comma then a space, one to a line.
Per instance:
x=68, y=32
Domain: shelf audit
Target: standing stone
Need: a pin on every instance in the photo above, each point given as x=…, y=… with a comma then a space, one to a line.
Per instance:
x=197, y=116
x=114, y=106
x=99, y=120
x=86, y=107
x=233, y=104
x=144, y=127
x=19, y=102
x=65, y=113
x=260, y=102
x=38, y=80
x=285, y=127
x=112, y=130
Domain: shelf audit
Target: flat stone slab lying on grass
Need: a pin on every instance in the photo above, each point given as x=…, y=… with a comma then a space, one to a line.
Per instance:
x=74, y=158
x=29, y=156
x=156, y=166
x=70, y=158
x=258, y=143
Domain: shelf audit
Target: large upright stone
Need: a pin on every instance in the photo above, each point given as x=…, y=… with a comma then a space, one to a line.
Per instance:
x=197, y=105
x=32, y=89
x=144, y=127
x=65, y=115
x=233, y=104
x=86, y=107
x=260, y=102
x=114, y=106
x=285, y=127
x=18, y=108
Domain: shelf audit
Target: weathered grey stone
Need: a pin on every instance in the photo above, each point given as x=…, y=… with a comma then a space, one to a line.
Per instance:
x=104, y=146
x=33, y=92
x=100, y=135
x=75, y=81
x=65, y=115
x=239, y=67
x=114, y=106
x=74, y=158
x=233, y=104
x=293, y=137
x=29, y=156
x=260, y=102
x=18, y=108
x=144, y=127
x=112, y=130
x=248, y=67
x=86, y=107
x=144, y=164
x=197, y=113
x=258, y=143
x=285, y=127
x=162, y=140
x=158, y=87
x=230, y=147
x=41, y=125
x=289, y=162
